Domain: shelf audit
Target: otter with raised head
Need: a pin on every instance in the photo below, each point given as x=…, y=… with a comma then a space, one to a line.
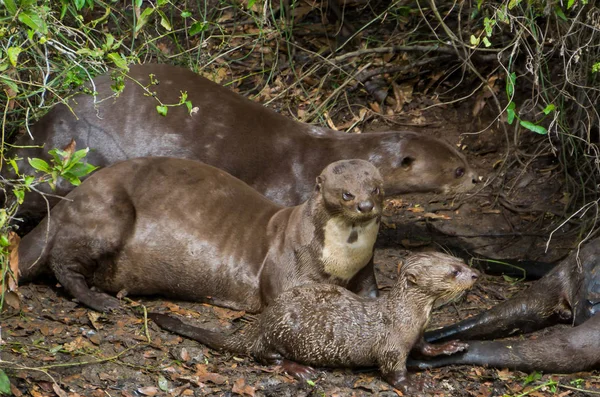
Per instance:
x=570, y=293
x=325, y=325
x=183, y=229
x=277, y=156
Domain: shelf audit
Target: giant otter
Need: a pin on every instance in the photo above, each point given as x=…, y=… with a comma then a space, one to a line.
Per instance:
x=325, y=325
x=275, y=155
x=570, y=293
x=183, y=229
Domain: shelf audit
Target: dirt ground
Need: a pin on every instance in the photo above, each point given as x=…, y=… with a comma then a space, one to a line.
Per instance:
x=56, y=347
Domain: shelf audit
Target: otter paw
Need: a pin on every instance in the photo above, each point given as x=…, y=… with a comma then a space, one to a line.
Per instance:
x=453, y=347
x=102, y=302
x=402, y=382
x=299, y=371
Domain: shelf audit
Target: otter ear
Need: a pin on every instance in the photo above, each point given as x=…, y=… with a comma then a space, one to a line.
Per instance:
x=319, y=184
x=406, y=163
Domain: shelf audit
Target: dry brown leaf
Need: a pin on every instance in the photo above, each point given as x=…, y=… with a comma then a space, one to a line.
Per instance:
x=148, y=390
x=415, y=209
x=240, y=387
x=431, y=215
x=185, y=356
x=330, y=122
x=60, y=392
x=70, y=148
x=13, y=259
x=375, y=107
x=227, y=314
x=205, y=376
x=12, y=299
x=504, y=374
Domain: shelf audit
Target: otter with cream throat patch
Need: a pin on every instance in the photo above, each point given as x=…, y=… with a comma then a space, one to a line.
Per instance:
x=183, y=229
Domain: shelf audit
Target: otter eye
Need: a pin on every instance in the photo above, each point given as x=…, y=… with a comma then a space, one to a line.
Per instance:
x=376, y=191
x=455, y=273
x=460, y=171
x=347, y=196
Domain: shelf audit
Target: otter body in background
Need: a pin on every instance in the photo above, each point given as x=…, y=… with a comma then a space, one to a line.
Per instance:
x=570, y=293
x=273, y=154
x=183, y=229
x=324, y=325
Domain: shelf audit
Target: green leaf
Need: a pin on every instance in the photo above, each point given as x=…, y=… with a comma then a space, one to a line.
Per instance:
x=596, y=67
x=510, y=113
x=143, y=19
x=73, y=180
x=548, y=109
x=164, y=21
x=510, y=84
x=13, y=54
x=560, y=13
x=11, y=6
x=188, y=104
x=486, y=42
x=474, y=40
x=79, y=4
x=78, y=155
x=162, y=110
x=28, y=180
x=39, y=165
x=310, y=383
x=162, y=383
x=251, y=3
x=118, y=60
x=10, y=84
x=570, y=4
x=196, y=28
x=488, y=25
x=82, y=169
x=20, y=195
x=34, y=21
x=14, y=165
x=186, y=14
x=533, y=127
x=5, y=243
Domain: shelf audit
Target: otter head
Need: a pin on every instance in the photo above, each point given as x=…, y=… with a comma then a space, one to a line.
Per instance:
x=352, y=189
x=424, y=164
x=440, y=276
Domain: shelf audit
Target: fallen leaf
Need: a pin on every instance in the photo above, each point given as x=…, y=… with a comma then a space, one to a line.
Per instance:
x=185, y=356
x=148, y=390
x=60, y=392
x=431, y=215
x=205, y=376
x=13, y=248
x=227, y=314
x=240, y=387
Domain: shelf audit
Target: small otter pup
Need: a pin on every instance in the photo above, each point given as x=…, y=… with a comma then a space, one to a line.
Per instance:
x=325, y=325
x=183, y=229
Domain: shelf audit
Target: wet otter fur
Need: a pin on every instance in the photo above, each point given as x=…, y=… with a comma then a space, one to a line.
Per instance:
x=325, y=325
x=183, y=229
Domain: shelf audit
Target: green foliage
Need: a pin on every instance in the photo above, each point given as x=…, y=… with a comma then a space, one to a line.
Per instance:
x=4, y=384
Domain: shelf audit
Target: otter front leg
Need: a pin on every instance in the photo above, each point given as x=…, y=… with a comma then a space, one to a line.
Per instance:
x=69, y=276
x=364, y=283
x=392, y=365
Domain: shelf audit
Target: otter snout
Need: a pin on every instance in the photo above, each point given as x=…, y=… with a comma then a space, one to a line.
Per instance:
x=365, y=206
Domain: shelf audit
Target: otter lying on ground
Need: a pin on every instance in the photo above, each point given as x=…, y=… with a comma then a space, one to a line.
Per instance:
x=186, y=230
x=325, y=325
x=275, y=155
x=570, y=293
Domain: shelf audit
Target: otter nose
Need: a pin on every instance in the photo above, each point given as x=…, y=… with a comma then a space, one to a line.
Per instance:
x=475, y=179
x=365, y=206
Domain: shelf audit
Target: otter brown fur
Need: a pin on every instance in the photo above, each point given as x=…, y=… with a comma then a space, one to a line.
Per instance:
x=275, y=155
x=570, y=293
x=325, y=325
x=183, y=229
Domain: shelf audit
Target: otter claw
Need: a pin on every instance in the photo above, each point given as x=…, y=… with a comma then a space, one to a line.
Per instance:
x=299, y=371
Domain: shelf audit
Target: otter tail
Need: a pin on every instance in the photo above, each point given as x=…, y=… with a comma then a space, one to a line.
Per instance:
x=33, y=252
x=235, y=343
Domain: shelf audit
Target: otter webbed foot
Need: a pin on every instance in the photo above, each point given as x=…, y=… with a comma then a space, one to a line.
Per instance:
x=448, y=348
x=299, y=371
x=401, y=381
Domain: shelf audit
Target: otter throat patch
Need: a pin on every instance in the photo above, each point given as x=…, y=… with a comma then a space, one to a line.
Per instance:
x=347, y=248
